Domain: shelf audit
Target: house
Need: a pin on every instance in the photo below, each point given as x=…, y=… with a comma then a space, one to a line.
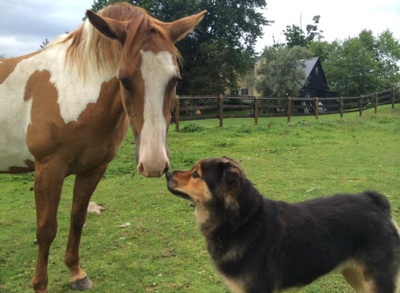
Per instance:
x=246, y=85
x=315, y=84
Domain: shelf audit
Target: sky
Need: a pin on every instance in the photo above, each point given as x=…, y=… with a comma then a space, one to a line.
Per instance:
x=25, y=24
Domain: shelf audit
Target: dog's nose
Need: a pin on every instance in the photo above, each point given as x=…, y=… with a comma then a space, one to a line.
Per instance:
x=168, y=175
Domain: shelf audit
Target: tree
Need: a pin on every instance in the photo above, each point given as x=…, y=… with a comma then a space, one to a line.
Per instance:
x=388, y=52
x=281, y=72
x=363, y=64
x=351, y=69
x=355, y=66
x=295, y=35
x=220, y=49
x=323, y=49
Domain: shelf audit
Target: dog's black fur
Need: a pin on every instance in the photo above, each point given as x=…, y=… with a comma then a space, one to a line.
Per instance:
x=261, y=245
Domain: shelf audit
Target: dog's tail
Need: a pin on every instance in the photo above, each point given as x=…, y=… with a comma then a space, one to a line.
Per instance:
x=379, y=200
x=397, y=280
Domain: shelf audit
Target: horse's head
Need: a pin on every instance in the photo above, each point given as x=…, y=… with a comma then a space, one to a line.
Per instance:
x=148, y=74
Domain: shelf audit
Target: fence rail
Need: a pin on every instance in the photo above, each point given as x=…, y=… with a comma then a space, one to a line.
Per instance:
x=220, y=107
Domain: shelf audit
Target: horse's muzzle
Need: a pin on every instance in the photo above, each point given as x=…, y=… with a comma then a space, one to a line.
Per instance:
x=153, y=169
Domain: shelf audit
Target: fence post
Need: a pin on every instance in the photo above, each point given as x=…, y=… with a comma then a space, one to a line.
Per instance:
x=393, y=97
x=316, y=111
x=221, y=110
x=289, y=108
x=376, y=103
x=360, y=105
x=341, y=107
x=256, y=110
x=177, y=113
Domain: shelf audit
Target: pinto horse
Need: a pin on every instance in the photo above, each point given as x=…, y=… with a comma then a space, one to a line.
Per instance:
x=66, y=109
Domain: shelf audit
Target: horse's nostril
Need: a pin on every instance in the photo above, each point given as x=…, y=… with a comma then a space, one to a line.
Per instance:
x=166, y=170
x=141, y=168
x=152, y=170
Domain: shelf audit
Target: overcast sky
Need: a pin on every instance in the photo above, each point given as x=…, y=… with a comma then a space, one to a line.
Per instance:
x=25, y=24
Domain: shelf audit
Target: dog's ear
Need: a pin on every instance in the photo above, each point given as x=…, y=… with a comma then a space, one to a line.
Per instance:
x=232, y=176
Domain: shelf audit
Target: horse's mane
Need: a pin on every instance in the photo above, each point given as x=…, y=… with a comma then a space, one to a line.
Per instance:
x=88, y=45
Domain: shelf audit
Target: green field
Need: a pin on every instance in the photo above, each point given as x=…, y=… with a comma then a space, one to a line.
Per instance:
x=162, y=250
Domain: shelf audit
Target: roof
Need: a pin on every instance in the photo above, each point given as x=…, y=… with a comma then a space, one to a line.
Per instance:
x=309, y=65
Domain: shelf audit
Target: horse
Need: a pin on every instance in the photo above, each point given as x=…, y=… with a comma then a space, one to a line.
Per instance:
x=66, y=109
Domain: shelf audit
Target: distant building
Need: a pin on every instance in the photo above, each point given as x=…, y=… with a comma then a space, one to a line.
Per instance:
x=246, y=85
x=315, y=84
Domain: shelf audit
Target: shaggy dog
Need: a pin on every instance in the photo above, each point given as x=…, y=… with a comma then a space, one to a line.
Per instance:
x=261, y=245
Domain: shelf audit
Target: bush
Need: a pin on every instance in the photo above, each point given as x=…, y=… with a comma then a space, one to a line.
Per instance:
x=192, y=127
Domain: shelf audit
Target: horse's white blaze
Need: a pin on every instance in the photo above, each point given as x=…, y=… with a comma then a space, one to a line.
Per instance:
x=74, y=94
x=157, y=69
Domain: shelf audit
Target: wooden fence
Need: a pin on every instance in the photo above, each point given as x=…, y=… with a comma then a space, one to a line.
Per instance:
x=220, y=107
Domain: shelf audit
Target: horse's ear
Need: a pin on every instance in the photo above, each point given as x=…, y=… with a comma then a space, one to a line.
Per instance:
x=111, y=28
x=178, y=29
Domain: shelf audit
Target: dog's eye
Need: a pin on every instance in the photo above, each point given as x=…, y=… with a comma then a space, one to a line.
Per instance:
x=195, y=174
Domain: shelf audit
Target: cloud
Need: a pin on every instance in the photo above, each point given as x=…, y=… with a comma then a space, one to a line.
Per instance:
x=24, y=25
x=339, y=20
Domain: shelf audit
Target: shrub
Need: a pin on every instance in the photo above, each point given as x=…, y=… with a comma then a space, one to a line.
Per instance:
x=192, y=127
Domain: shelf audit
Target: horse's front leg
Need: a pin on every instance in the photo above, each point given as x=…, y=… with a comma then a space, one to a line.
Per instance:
x=49, y=178
x=85, y=184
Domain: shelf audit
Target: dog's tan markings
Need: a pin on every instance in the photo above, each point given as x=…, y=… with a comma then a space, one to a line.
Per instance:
x=231, y=202
x=357, y=276
x=202, y=215
x=191, y=183
x=397, y=282
x=232, y=255
x=236, y=286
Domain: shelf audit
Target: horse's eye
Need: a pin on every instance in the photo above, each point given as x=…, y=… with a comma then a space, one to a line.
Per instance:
x=175, y=79
x=126, y=83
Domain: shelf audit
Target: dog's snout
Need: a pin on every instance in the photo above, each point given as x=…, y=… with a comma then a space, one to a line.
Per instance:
x=168, y=175
x=171, y=181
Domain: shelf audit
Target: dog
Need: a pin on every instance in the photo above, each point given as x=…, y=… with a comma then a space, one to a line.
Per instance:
x=262, y=245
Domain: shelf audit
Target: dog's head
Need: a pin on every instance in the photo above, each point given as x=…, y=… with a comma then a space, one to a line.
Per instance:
x=211, y=182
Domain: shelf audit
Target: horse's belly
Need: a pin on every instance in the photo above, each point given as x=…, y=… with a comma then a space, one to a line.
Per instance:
x=14, y=118
x=14, y=153
x=18, y=160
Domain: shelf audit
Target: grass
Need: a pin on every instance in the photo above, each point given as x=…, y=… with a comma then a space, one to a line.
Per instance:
x=162, y=250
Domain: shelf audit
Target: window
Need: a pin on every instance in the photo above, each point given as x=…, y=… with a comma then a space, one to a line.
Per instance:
x=244, y=92
x=316, y=70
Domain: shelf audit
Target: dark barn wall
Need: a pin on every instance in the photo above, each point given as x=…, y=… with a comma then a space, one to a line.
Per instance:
x=316, y=84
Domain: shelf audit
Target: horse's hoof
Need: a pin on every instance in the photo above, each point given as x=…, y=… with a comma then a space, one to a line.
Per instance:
x=82, y=284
